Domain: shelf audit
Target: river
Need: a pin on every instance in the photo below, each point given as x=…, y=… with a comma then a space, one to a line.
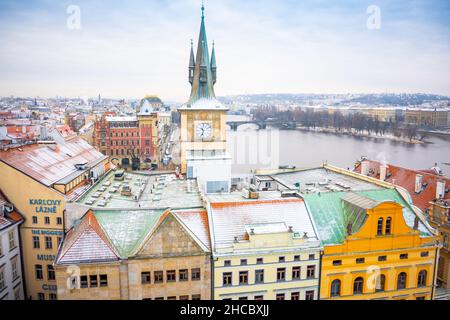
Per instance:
x=252, y=148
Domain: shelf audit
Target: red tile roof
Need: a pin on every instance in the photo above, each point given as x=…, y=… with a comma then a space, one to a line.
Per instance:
x=406, y=178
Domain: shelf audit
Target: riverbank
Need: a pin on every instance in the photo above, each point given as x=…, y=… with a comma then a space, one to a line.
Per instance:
x=358, y=134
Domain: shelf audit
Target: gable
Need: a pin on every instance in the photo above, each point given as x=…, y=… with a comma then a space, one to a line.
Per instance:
x=170, y=239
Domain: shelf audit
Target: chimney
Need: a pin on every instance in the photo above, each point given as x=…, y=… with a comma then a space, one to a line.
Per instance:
x=349, y=229
x=383, y=170
x=43, y=132
x=440, y=189
x=416, y=223
x=418, y=184
x=365, y=167
x=290, y=229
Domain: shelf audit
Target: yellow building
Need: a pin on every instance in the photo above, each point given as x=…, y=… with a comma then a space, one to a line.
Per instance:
x=160, y=255
x=380, y=257
x=264, y=249
x=371, y=233
x=39, y=180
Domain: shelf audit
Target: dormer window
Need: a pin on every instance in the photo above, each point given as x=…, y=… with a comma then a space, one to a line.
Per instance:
x=380, y=227
x=388, y=225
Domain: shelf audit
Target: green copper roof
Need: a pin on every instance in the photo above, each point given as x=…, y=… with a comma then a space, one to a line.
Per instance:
x=331, y=215
x=127, y=229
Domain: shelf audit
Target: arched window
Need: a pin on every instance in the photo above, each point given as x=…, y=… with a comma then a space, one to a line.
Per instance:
x=358, y=285
x=422, y=279
x=388, y=225
x=336, y=288
x=380, y=227
x=381, y=282
x=401, y=281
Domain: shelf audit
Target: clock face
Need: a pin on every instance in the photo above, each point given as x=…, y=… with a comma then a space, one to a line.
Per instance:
x=203, y=130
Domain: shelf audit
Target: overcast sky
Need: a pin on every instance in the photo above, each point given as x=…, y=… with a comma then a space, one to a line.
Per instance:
x=137, y=47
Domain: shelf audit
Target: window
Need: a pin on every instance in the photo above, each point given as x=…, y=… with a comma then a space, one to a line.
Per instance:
x=388, y=225
x=295, y=273
x=93, y=281
x=404, y=256
x=227, y=263
x=196, y=297
x=297, y=258
x=2, y=279
x=382, y=258
x=259, y=261
x=310, y=272
x=58, y=220
x=380, y=227
x=17, y=293
x=281, y=259
x=281, y=274
x=12, y=240
x=360, y=260
x=401, y=281
x=381, y=283
x=311, y=257
x=52, y=296
x=280, y=296
x=41, y=296
x=424, y=254
x=195, y=274
x=243, y=277
x=337, y=262
x=47, y=220
x=259, y=297
x=35, y=220
x=38, y=272
x=83, y=282
x=171, y=298
x=259, y=276
x=295, y=295
x=243, y=298
x=48, y=243
x=58, y=240
x=309, y=295
x=183, y=275
x=358, y=285
x=420, y=298
x=243, y=262
x=336, y=288
x=422, y=279
x=50, y=272
x=171, y=276
x=227, y=279
x=158, y=275
x=14, y=269
x=159, y=298
x=103, y=280
x=1, y=249
x=184, y=297
x=145, y=277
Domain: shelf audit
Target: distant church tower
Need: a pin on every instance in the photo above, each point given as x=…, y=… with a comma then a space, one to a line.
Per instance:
x=203, y=140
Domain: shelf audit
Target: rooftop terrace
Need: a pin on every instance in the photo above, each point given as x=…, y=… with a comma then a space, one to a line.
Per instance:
x=144, y=191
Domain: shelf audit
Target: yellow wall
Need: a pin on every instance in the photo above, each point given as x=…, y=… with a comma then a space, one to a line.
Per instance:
x=368, y=245
x=270, y=287
x=20, y=189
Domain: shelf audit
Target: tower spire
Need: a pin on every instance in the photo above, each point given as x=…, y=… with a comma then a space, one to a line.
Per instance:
x=202, y=80
x=213, y=64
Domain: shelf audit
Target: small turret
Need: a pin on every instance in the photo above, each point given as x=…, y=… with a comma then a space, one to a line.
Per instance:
x=191, y=64
x=213, y=65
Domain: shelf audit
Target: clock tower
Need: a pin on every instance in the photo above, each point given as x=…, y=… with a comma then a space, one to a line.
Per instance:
x=203, y=141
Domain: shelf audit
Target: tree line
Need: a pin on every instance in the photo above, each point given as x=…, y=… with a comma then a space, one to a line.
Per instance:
x=356, y=123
